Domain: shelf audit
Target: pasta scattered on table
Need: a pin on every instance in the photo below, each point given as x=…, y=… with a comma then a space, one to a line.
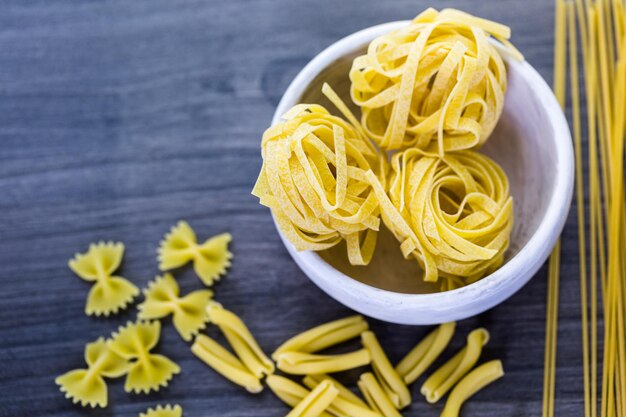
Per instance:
x=299, y=363
x=444, y=378
x=109, y=293
x=415, y=363
x=473, y=382
x=375, y=396
x=87, y=386
x=324, y=336
x=225, y=363
x=316, y=401
x=210, y=259
x=390, y=380
x=148, y=371
x=163, y=411
x=313, y=180
x=189, y=313
x=347, y=404
x=436, y=84
x=241, y=340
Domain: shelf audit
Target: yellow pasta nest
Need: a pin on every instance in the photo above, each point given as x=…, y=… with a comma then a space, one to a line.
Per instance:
x=313, y=179
x=437, y=84
x=453, y=214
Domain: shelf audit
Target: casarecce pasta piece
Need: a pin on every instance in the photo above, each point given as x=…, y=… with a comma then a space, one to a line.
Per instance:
x=189, y=312
x=444, y=378
x=473, y=382
x=313, y=180
x=347, y=404
x=225, y=363
x=180, y=246
x=109, y=293
x=436, y=84
x=299, y=363
x=316, y=401
x=87, y=386
x=413, y=365
x=163, y=411
x=148, y=371
x=324, y=336
x=376, y=397
x=392, y=383
x=241, y=340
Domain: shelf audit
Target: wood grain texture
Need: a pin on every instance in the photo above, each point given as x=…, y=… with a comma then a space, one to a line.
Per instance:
x=118, y=118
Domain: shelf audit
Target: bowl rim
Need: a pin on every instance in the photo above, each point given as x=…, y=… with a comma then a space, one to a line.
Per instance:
x=476, y=297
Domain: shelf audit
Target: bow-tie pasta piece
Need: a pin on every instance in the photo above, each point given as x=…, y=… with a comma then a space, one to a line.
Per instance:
x=148, y=371
x=87, y=386
x=241, y=340
x=437, y=84
x=160, y=411
x=189, y=312
x=210, y=259
x=313, y=179
x=109, y=294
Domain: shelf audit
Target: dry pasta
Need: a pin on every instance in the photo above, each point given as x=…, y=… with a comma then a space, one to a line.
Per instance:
x=87, y=386
x=347, y=404
x=324, y=335
x=444, y=378
x=454, y=214
x=241, y=340
x=312, y=380
x=316, y=401
x=225, y=363
x=210, y=259
x=392, y=383
x=473, y=382
x=299, y=363
x=313, y=180
x=148, y=371
x=376, y=397
x=188, y=313
x=288, y=391
x=163, y=411
x=413, y=365
x=109, y=293
x=436, y=84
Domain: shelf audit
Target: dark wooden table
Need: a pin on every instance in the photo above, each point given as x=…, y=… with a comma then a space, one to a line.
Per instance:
x=118, y=118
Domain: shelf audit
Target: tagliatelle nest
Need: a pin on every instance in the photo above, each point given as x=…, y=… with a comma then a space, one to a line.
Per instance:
x=314, y=180
x=453, y=214
x=437, y=84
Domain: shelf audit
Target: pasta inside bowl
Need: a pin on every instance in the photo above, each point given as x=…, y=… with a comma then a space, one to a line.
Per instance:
x=531, y=142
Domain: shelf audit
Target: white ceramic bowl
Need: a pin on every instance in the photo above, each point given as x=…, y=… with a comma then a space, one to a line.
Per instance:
x=533, y=145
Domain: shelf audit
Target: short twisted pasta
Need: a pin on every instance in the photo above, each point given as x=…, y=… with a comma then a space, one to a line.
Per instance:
x=453, y=214
x=436, y=84
x=313, y=180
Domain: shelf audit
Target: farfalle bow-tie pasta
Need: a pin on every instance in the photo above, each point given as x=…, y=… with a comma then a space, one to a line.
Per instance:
x=210, y=259
x=188, y=313
x=109, y=294
x=313, y=179
x=87, y=386
x=148, y=371
x=437, y=84
x=163, y=411
x=453, y=214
